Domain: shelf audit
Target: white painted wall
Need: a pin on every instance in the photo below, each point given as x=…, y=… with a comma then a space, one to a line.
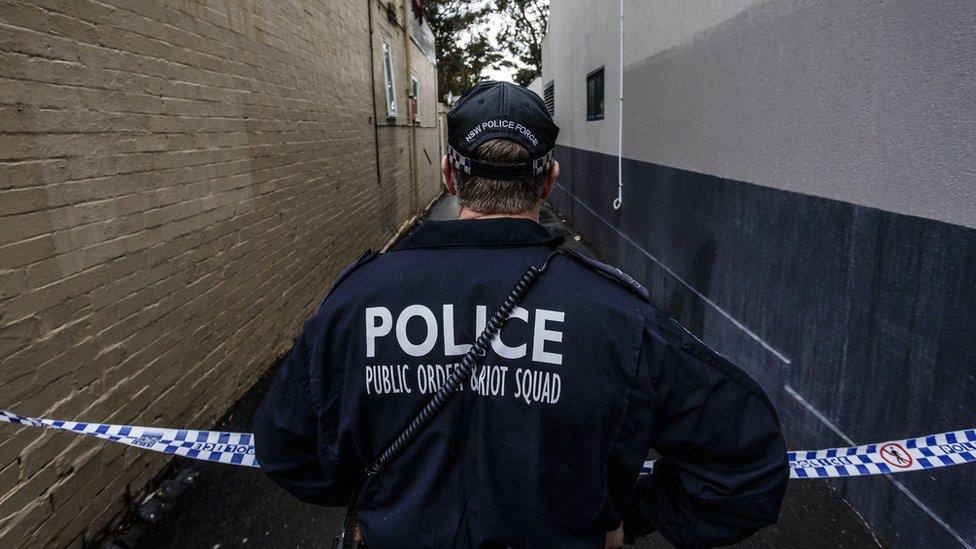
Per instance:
x=860, y=101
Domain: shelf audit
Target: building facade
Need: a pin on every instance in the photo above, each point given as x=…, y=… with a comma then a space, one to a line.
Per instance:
x=797, y=189
x=407, y=135
x=179, y=184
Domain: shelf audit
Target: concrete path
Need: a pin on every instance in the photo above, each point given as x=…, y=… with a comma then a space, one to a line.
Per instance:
x=227, y=506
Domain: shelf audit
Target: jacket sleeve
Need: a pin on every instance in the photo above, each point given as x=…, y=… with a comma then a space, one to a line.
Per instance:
x=286, y=431
x=724, y=469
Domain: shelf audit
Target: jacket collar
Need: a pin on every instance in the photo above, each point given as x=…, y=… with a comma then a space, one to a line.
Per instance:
x=499, y=231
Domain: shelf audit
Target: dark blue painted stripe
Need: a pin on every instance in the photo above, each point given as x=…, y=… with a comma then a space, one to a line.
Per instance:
x=868, y=305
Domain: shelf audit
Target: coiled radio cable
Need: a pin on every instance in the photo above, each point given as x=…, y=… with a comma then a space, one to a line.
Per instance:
x=464, y=370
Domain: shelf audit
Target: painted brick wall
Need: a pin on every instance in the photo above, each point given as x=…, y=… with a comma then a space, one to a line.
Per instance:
x=179, y=183
x=394, y=132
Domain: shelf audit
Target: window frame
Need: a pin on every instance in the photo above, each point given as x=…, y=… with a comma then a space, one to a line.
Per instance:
x=389, y=78
x=415, y=96
x=591, y=108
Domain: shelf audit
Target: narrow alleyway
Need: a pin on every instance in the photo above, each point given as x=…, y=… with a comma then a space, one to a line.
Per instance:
x=238, y=507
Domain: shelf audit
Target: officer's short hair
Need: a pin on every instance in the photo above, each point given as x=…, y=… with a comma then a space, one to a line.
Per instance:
x=499, y=196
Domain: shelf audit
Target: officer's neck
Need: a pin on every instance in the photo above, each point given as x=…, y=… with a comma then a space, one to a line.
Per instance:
x=466, y=213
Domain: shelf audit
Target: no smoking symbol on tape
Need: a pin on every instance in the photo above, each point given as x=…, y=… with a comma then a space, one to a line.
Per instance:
x=895, y=455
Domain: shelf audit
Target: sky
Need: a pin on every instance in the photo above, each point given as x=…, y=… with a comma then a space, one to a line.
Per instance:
x=504, y=74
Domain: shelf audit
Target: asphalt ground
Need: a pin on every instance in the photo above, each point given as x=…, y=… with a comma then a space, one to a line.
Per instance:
x=207, y=505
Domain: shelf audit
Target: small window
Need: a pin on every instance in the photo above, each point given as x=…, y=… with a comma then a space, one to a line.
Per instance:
x=414, y=98
x=594, y=95
x=549, y=96
x=391, y=102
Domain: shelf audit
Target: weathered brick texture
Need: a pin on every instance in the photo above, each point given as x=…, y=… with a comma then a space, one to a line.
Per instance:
x=394, y=134
x=179, y=183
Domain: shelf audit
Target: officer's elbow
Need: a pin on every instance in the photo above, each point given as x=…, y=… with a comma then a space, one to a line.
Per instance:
x=736, y=520
x=765, y=508
x=772, y=478
x=304, y=481
x=738, y=516
x=761, y=509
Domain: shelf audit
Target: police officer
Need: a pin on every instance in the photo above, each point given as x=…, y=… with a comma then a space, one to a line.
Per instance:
x=542, y=445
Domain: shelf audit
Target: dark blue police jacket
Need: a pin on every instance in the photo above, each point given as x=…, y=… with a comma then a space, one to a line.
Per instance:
x=543, y=445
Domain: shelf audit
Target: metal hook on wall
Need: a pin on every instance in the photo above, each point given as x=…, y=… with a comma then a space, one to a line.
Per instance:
x=618, y=202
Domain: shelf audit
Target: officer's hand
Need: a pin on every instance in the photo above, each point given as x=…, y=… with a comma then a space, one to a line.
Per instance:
x=615, y=539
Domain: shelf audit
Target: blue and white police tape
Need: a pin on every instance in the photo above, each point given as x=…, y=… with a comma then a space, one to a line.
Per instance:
x=893, y=456
x=229, y=448
x=896, y=456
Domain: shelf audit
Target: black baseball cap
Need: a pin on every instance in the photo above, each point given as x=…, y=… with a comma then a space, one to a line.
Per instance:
x=491, y=110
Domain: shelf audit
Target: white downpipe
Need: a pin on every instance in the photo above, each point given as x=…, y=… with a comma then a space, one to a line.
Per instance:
x=617, y=202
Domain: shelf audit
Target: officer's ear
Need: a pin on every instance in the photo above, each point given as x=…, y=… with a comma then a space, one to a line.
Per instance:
x=550, y=180
x=448, y=175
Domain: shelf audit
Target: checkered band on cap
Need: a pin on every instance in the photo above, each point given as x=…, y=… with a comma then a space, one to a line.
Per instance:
x=464, y=164
x=458, y=161
x=541, y=165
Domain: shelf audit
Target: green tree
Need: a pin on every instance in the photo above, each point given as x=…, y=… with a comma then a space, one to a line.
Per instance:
x=464, y=49
x=523, y=28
